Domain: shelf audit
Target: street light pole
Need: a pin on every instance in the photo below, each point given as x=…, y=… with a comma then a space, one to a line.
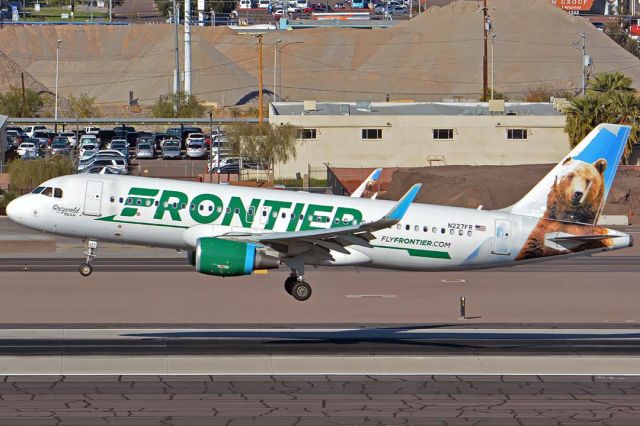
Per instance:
x=281, y=61
x=210, y=146
x=275, y=75
x=584, y=62
x=57, y=75
x=493, y=89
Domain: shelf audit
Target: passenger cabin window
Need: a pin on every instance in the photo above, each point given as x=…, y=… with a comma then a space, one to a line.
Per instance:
x=517, y=134
x=443, y=134
x=371, y=134
x=57, y=193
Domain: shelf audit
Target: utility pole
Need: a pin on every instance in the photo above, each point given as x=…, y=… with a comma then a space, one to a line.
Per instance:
x=24, y=98
x=493, y=88
x=210, y=146
x=584, y=62
x=110, y=11
x=486, y=26
x=187, y=47
x=176, y=71
x=260, y=112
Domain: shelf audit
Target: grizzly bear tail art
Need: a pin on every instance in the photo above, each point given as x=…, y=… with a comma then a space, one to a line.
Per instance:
x=576, y=189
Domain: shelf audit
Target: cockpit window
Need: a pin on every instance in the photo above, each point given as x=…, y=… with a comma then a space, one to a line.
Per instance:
x=57, y=193
x=38, y=190
x=47, y=191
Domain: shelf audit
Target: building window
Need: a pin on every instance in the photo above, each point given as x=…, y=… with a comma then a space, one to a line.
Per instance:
x=443, y=134
x=517, y=134
x=307, y=134
x=371, y=134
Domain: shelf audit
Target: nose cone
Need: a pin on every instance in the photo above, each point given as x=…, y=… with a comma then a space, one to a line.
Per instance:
x=13, y=210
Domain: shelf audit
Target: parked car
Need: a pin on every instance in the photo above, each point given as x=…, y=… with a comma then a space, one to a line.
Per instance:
x=339, y=6
x=244, y=4
x=171, y=150
x=195, y=136
x=31, y=154
x=145, y=149
x=60, y=146
x=29, y=130
x=117, y=163
x=105, y=153
x=170, y=141
x=87, y=139
x=121, y=146
x=264, y=4
x=91, y=130
x=25, y=146
x=196, y=149
x=87, y=150
x=13, y=139
x=158, y=138
x=71, y=136
x=43, y=136
x=104, y=170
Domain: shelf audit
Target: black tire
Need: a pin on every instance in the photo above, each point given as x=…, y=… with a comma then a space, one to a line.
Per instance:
x=85, y=269
x=301, y=291
x=289, y=283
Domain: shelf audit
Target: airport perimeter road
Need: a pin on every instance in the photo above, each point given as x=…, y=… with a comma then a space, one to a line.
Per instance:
x=328, y=400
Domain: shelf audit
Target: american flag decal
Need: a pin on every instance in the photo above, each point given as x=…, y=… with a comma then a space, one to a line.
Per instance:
x=481, y=228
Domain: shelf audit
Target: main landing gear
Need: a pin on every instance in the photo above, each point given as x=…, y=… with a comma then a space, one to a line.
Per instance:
x=85, y=268
x=297, y=287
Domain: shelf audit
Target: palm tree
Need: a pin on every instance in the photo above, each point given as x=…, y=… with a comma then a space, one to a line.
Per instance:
x=585, y=113
x=608, y=82
x=625, y=108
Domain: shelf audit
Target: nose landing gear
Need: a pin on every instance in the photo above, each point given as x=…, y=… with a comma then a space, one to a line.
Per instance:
x=86, y=268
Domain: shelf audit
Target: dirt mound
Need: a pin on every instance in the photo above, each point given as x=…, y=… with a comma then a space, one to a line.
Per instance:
x=496, y=187
x=434, y=56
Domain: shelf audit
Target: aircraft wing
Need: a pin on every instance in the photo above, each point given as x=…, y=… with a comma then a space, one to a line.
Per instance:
x=321, y=241
x=374, y=176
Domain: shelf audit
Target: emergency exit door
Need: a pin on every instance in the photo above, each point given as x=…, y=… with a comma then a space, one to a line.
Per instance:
x=93, y=198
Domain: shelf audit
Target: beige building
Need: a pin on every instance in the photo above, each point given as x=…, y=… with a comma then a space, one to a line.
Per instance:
x=419, y=134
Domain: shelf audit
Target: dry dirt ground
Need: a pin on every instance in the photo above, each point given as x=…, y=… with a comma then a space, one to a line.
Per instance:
x=434, y=56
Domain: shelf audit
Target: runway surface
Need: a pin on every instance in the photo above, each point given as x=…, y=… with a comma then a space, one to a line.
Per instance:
x=329, y=400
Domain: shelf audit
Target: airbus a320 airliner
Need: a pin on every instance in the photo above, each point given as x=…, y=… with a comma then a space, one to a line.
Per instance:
x=231, y=231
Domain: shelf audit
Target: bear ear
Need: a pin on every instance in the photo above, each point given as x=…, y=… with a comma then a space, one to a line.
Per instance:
x=600, y=165
x=566, y=160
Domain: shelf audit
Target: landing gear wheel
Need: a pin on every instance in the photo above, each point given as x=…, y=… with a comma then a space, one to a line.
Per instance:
x=289, y=283
x=301, y=291
x=86, y=269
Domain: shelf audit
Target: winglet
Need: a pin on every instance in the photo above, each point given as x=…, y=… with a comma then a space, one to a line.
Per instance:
x=373, y=177
x=397, y=212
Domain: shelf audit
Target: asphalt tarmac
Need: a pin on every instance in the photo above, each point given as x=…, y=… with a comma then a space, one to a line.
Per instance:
x=328, y=400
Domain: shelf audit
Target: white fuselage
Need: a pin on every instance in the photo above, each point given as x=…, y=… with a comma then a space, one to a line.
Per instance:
x=174, y=214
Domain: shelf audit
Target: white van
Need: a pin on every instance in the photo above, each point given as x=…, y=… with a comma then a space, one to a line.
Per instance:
x=264, y=4
x=302, y=4
x=244, y=4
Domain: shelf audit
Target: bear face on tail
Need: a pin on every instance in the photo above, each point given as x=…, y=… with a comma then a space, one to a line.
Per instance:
x=576, y=195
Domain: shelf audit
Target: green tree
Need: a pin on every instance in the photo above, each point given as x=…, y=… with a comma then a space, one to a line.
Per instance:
x=189, y=106
x=218, y=6
x=85, y=106
x=266, y=143
x=617, y=32
x=608, y=82
x=13, y=104
x=609, y=99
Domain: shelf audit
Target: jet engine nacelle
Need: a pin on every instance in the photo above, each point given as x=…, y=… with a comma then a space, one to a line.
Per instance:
x=225, y=258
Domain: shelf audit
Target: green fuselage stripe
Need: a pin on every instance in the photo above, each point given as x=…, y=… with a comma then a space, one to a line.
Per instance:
x=420, y=253
x=112, y=219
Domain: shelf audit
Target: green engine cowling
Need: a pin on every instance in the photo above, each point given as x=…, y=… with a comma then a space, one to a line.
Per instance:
x=225, y=258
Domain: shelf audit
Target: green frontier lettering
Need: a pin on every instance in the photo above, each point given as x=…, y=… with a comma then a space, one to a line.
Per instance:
x=236, y=207
x=172, y=202
x=295, y=217
x=310, y=216
x=138, y=197
x=346, y=216
x=276, y=206
x=212, y=205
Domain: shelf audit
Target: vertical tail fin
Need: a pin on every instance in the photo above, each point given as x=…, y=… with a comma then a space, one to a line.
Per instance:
x=576, y=189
